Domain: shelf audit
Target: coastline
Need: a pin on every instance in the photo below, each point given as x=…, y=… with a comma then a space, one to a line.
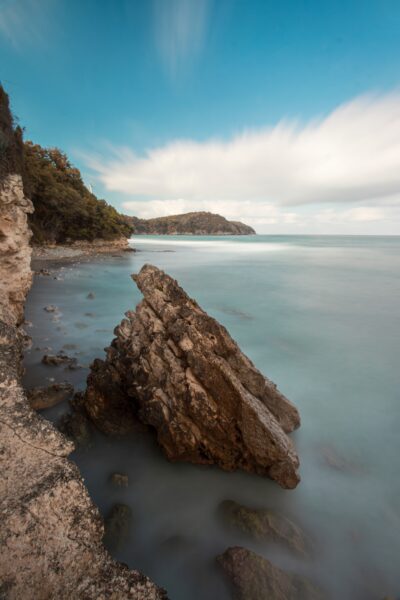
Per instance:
x=80, y=248
x=51, y=531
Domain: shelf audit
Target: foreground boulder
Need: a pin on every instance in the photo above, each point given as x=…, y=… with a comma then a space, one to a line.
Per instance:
x=178, y=370
x=255, y=578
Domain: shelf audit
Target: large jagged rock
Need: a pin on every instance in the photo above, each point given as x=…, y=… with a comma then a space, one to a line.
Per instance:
x=255, y=578
x=179, y=371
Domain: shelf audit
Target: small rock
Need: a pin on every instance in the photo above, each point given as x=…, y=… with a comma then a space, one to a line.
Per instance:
x=90, y=296
x=255, y=578
x=76, y=426
x=264, y=524
x=50, y=308
x=55, y=360
x=119, y=479
x=117, y=525
x=43, y=272
x=46, y=397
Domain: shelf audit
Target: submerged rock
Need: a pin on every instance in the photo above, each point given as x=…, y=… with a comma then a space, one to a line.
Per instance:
x=256, y=578
x=179, y=371
x=46, y=397
x=50, y=308
x=55, y=360
x=117, y=525
x=264, y=524
x=75, y=425
x=90, y=296
x=119, y=479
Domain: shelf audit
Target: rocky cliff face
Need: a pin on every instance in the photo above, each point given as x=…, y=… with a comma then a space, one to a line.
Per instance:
x=50, y=531
x=15, y=252
x=178, y=370
x=195, y=223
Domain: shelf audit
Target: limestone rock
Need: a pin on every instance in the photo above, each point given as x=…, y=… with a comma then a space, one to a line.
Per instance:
x=265, y=524
x=50, y=531
x=179, y=370
x=46, y=397
x=255, y=578
x=15, y=252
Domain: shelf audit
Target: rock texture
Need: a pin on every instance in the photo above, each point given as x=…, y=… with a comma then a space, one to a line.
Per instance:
x=179, y=371
x=194, y=223
x=255, y=578
x=15, y=252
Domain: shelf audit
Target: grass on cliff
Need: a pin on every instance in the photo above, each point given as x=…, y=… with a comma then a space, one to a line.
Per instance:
x=65, y=210
x=11, y=144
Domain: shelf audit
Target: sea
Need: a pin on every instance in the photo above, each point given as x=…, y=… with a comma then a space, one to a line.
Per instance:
x=319, y=315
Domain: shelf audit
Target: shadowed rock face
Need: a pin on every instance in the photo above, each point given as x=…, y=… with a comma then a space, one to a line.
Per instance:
x=179, y=371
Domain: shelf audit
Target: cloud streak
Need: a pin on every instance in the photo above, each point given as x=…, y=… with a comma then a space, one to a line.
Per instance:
x=351, y=158
x=25, y=22
x=180, y=27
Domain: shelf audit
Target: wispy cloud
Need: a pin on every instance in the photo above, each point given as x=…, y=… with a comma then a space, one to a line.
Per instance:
x=351, y=158
x=180, y=27
x=24, y=22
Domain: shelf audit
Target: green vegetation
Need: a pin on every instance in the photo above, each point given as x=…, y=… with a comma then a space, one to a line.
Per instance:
x=65, y=210
x=11, y=144
x=194, y=223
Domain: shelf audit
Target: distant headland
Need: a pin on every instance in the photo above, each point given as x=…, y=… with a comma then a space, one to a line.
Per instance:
x=192, y=223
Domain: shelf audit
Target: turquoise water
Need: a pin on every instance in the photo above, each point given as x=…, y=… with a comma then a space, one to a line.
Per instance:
x=320, y=317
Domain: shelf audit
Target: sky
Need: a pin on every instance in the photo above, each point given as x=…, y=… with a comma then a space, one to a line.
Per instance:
x=282, y=114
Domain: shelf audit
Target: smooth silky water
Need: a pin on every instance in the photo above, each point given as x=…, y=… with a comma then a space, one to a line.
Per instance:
x=317, y=315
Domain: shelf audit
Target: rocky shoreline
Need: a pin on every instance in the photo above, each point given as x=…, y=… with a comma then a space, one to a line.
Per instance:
x=78, y=250
x=188, y=377
x=50, y=531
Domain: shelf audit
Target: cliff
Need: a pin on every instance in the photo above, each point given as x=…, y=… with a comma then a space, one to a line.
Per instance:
x=194, y=223
x=177, y=369
x=50, y=531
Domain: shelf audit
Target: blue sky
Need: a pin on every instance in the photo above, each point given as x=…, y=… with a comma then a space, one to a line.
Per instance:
x=264, y=100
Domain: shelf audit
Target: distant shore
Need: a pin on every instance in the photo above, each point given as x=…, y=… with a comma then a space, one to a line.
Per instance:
x=78, y=250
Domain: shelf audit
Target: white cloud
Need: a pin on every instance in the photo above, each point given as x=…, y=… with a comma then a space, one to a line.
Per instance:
x=350, y=158
x=180, y=27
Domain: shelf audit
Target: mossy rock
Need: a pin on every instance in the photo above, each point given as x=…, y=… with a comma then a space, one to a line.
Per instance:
x=253, y=577
x=264, y=525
